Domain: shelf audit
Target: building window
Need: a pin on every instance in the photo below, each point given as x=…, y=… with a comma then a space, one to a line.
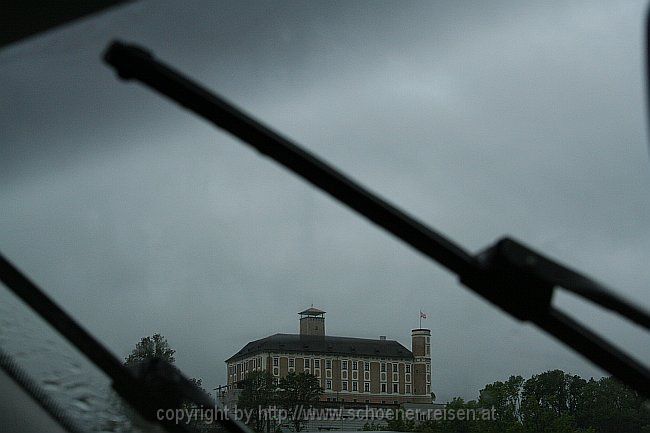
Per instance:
x=355, y=365
x=366, y=375
x=395, y=388
x=408, y=368
x=383, y=367
x=292, y=362
x=366, y=366
x=407, y=377
x=355, y=375
x=276, y=361
x=354, y=386
x=345, y=385
x=276, y=371
x=328, y=373
x=383, y=377
x=344, y=365
x=306, y=362
x=395, y=368
x=383, y=387
x=316, y=363
x=328, y=363
x=366, y=387
x=428, y=378
x=395, y=377
x=428, y=368
x=427, y=349
x=317, y=372
x=328, y=384
x=344, y=375
x=408, y=389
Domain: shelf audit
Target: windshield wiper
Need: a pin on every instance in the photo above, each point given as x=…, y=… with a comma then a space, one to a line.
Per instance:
x=147, y=387
x=510, y=275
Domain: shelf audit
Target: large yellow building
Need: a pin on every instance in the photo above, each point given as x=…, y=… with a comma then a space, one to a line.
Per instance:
x=354, y=370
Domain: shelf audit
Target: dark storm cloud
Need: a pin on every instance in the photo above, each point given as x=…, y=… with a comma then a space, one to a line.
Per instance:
x=138, y=217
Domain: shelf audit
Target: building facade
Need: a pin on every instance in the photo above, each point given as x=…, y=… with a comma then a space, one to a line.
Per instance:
x=353, y=370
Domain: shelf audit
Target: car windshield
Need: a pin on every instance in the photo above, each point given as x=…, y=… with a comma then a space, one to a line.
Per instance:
x=164, y=236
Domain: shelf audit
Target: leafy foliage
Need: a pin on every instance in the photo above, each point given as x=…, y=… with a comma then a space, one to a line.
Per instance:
x=298, y=391
x=294, y=391
x=550, y=402
x=258, y=391
x=152, y=347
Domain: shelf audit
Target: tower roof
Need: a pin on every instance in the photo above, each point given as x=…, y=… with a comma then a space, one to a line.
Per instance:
x=311, y=311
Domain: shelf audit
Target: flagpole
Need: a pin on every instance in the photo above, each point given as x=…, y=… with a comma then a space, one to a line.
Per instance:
x=420, y=319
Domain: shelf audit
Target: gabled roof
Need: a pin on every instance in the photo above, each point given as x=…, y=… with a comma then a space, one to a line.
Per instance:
x=346, y=346
x=311, y=311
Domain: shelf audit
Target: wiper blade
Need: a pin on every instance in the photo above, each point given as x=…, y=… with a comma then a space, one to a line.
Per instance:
x=510, y=275
x=31, y=388
x=148, y=387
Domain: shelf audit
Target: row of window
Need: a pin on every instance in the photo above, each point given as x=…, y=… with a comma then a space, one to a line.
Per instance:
x=254, y=364
x=344, y=364
x=250, y=364
x=355, y=375
x=257, y=363
x=366, y=387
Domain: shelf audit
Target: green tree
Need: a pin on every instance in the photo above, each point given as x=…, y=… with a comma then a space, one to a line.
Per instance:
x=258, y=391
x=156, y=347
x=399, y=423
x=152, y=347
x=505, y=397
x=199, y=384
x=297, y=394
x=606, y=405
x=550, y=401
x=460, y=424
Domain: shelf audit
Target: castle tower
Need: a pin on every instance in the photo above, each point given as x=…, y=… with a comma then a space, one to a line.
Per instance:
x=312, y=322
x=421, y=348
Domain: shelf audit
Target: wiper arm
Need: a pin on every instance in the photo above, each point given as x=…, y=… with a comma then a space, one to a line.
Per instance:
x=510, y=275
x=148, y=387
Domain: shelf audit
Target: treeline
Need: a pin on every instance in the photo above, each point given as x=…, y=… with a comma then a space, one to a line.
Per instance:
x=550, y=402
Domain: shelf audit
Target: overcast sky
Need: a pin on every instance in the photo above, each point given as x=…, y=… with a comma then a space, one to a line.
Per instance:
x=517, y=119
